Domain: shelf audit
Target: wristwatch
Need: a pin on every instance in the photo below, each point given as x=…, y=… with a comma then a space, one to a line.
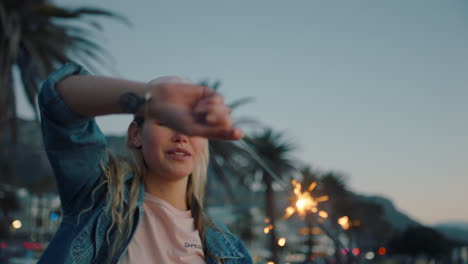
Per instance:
x=131, y=102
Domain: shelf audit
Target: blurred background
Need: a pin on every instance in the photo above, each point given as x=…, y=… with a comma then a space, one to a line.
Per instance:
x=361, y=106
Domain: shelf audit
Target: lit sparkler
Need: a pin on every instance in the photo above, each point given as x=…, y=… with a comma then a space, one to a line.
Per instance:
x=307, y=205
x=305, y=202
x=267, y=229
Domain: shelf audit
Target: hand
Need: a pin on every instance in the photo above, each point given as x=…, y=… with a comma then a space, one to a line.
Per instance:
x=193, y=110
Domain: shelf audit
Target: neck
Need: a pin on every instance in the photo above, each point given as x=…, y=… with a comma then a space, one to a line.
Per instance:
x=173, y=192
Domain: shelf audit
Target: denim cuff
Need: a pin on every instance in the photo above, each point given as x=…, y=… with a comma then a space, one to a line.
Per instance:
x=51, y=103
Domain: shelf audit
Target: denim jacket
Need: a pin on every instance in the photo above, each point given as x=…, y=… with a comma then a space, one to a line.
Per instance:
x=76, y=147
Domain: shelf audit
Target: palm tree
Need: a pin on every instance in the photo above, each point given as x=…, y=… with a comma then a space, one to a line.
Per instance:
x=334, y=185
x=35, y=37
x=277, y=166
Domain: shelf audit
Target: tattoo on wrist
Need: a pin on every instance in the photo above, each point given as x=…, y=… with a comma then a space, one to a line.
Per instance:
x=131, y=102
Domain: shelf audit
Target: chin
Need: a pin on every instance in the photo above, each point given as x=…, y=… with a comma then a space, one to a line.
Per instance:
x=178, y=174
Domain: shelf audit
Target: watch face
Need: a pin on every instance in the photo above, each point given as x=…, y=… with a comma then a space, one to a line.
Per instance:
x=130, y=102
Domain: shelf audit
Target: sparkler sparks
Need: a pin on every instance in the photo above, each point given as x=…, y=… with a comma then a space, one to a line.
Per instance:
x=323, y=214
x=305, y=202
x=267, y=229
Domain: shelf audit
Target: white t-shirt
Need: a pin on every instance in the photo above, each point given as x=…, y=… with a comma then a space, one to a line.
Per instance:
x=164, y=235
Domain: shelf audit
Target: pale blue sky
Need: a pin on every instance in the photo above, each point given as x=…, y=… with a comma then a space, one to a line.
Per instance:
x=376, y=89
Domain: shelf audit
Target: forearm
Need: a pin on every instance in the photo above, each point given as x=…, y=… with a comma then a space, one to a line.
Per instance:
x=90, y=95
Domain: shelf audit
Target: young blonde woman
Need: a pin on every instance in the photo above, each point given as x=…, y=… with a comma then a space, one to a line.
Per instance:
x=147, y=209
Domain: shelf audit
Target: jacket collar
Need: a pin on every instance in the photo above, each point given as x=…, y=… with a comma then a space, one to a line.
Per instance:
x=141, y=194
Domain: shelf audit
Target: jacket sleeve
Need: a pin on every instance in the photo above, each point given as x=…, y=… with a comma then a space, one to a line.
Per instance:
x=75, y=145
x=241, y=247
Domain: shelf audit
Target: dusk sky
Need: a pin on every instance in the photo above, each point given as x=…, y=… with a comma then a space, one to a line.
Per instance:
x=374, y=89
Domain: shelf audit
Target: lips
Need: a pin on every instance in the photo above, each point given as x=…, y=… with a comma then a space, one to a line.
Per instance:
x=179, y=154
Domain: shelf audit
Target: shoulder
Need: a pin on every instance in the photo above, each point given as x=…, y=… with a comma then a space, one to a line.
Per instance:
x=220, y=226
x=218, y=229
x=223, y=243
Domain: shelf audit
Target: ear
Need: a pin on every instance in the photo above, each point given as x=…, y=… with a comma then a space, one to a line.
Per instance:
x=134, y=135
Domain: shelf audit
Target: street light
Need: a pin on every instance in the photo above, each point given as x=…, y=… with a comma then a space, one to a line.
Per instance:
x=282, y=242
x=16, y=224
x=344, y=222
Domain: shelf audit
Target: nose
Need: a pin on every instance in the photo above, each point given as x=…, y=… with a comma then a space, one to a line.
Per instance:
x=179, y=138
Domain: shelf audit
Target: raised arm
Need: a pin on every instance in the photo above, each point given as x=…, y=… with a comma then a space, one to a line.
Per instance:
x=90, y=95
x=192, y=109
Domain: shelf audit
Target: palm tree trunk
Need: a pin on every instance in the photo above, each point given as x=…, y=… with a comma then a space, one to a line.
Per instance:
x=270, y=208
x=9, y=43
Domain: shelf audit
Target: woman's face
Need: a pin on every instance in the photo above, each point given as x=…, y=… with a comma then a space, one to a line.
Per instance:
x=167, y=153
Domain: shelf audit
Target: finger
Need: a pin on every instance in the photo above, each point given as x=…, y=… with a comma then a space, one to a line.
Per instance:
x=193, y=91
x=237, y=133
x=214, y=98
x=204, y=104
x=216, y=133
x=210, y=107
x=219, y=115
x=222, y=122
x=207, y=91
x=193, y=127
x=232, y=134
x=213, y=114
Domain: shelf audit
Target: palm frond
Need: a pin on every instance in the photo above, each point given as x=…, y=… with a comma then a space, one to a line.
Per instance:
x=49, y=10
x=215, y=86
x=275, y=152
x=37, y=36
x=247, y=121
x=241, y=101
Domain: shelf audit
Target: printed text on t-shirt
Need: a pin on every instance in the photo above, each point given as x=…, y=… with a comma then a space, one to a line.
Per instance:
x=188, y=245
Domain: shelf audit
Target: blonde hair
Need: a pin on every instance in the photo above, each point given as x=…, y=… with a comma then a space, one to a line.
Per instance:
x=123, y=215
